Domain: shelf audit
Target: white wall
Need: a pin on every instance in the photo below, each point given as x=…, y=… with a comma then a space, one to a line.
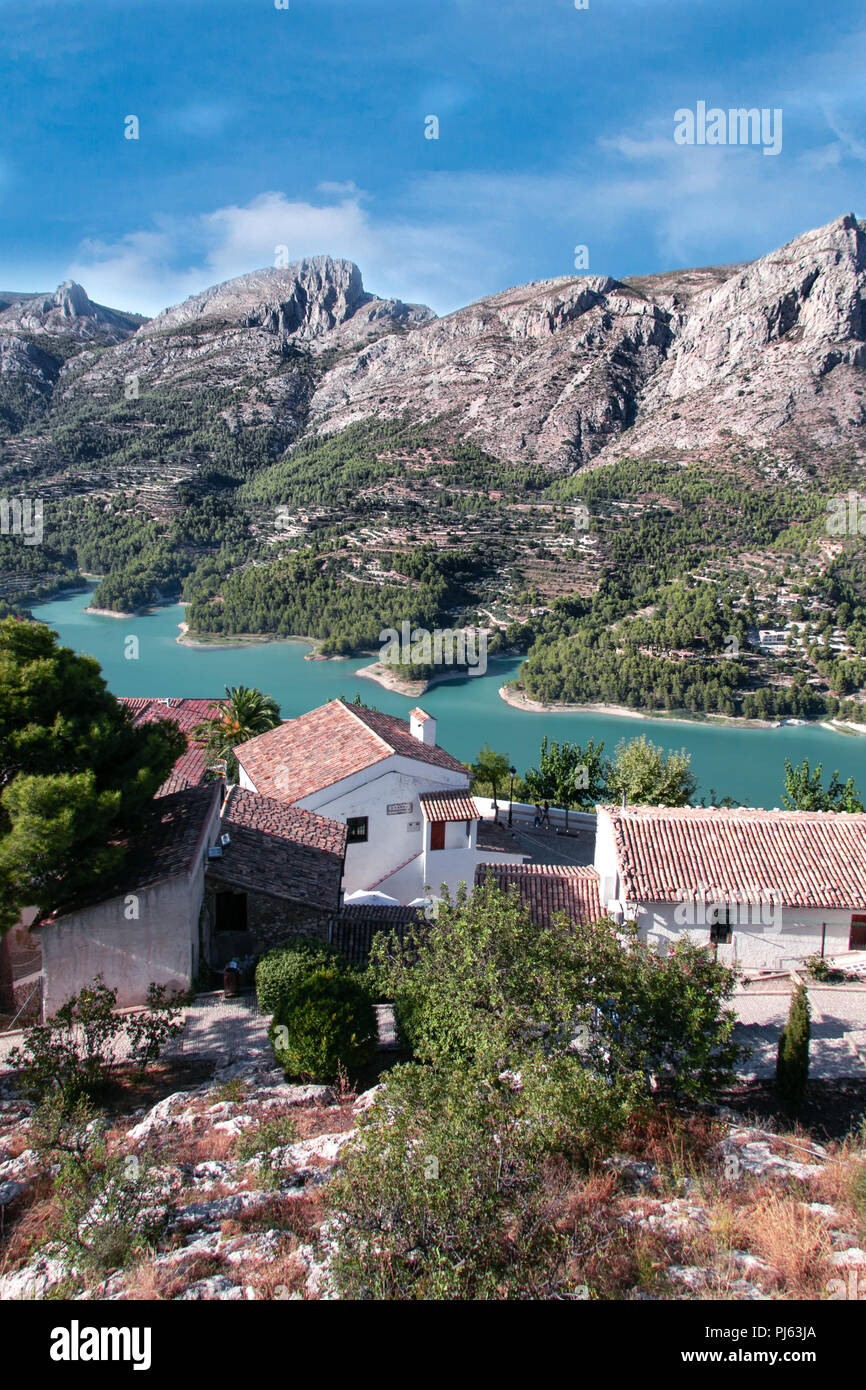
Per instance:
x=391, y=839
x=158, y=946
x=161, y=947
x=784, y=936
x=605, y=860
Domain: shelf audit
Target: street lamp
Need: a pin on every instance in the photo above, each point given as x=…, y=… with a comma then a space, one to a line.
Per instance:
x=513, y=771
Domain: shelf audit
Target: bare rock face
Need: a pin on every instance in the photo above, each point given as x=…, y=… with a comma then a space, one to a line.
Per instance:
x=552, y=368
x=304, y=301
x=66, y=312
x=775, y=352
x=566, y=372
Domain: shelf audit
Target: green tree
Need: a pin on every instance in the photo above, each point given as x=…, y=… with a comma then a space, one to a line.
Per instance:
x=645, y=775
x=484, y=988
x=569, y=775
x=243, y=714
x=804, y=790
x=792, y=1060
x=490, y=769
x=75, y=774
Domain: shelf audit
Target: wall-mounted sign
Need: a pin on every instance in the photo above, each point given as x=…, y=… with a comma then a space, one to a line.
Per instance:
x=399, y=808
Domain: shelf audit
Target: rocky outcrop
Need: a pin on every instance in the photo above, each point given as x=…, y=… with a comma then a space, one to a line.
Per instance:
x=305, y=302
x=67, y=313
x=551, y=370
x=775, y=353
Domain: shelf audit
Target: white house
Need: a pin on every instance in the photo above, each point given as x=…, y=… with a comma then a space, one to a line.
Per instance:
x=405, y=801
x=767, y=888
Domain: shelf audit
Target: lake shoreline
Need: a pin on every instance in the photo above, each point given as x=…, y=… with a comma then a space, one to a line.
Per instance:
x=469, y=712
x=518, y=700
x=212, y=641
x=383, y=675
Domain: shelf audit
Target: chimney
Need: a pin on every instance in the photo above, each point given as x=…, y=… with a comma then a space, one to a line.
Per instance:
x=423, y=727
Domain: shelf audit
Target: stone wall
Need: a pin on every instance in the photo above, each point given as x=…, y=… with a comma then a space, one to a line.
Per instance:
x=270, y=921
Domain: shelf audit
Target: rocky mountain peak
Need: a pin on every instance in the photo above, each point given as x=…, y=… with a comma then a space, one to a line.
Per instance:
x=303, y=301
x=67, y=312
x=71, y=298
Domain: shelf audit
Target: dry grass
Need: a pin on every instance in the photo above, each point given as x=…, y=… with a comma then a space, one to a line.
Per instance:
x=780, y=1230
x=35, y=1216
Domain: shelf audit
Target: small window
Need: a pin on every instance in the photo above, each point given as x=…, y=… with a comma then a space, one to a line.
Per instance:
x=356, y=827
x=720, y=929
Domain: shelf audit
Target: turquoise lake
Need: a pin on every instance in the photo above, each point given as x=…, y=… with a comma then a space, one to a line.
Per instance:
x=747, y=764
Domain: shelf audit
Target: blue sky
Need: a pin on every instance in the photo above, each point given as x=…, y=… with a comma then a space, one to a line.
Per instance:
x=304, y=127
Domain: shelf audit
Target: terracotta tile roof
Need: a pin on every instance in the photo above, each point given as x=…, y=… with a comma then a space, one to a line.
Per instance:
x=796, y=858
x=187, y=714
x=191, y=766
x=385, y=913
x=448, y=805
x=166, y=844
x=307, y=754
x=280, y=850
x=549, y=888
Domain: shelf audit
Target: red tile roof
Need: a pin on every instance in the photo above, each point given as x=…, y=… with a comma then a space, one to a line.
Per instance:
x=548, y=889
x=448, y=805
x=796, y=858
x=280, y=850
x=166, y=844
x=307, y=754
x=191, y=766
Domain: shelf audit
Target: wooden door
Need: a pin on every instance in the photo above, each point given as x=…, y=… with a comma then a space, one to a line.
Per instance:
x=437, y=834
x=857, y=939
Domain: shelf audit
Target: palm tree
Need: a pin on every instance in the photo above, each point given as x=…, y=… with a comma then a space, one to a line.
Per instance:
x=243, y=714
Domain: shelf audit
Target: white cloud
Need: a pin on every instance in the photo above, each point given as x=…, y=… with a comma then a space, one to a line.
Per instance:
x=425, y=259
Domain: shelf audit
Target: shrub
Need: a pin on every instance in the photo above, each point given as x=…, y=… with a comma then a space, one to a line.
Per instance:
x=265, y=1143
x=792, y=1061
x=109, y=1209
x=446, y=1194
x=71, y=1053
x=482, y=984
x=328, y=1022
x=281, y=971
x=818, y=968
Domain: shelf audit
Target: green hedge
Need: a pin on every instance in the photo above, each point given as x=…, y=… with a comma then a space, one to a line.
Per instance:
x=327, y=1022
x=283, y=970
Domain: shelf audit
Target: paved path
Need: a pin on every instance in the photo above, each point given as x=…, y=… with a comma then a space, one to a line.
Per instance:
x=838, y=1045
x=220, y=1030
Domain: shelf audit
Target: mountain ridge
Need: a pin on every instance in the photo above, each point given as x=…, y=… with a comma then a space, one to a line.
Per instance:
x=565, y=371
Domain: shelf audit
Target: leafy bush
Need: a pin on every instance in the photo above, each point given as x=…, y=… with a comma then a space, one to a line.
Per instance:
x=72, y=1052
x=818, y=968
x=482, y=986
x=327, y=1023
x=281, y=971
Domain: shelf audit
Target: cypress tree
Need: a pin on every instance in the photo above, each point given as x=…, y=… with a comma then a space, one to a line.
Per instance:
x=792, y=1061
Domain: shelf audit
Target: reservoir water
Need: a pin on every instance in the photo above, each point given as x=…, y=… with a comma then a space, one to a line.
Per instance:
x=747, y=764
